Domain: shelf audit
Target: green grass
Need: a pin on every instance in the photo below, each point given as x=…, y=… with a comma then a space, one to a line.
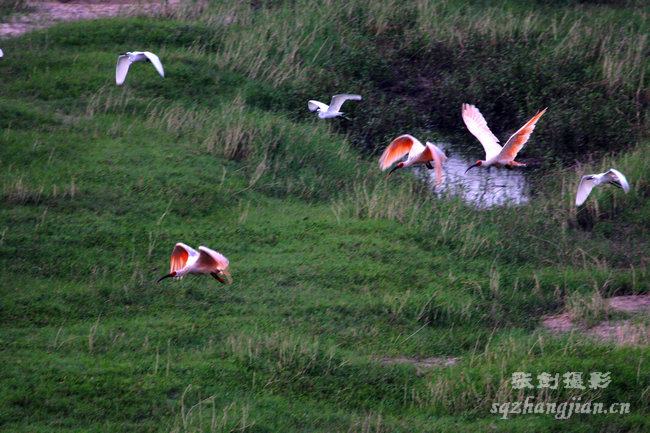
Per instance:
x=335, y=269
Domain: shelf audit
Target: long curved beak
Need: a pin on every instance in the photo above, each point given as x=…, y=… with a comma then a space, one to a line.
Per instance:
x=390, y=172
x=162, y=278
x=470, y=167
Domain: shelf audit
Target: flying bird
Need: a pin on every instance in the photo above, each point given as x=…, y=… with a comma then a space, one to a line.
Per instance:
x=186, y=260
x=328, y=111
x=588, y=182
x=495, y=155
x=1, y=53
x=417, y=154
x=125, y=60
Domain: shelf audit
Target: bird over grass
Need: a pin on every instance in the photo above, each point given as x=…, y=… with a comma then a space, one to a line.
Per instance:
x=589, y=181
x=186, y=260
x=333, y=110
x=125, y=60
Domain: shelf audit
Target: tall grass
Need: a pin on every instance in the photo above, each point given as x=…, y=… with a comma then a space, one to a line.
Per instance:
x=335, y=268
x=432, y=56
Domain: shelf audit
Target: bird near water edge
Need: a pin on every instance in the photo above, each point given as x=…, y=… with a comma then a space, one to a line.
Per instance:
x=495, y=155
x=417, y=154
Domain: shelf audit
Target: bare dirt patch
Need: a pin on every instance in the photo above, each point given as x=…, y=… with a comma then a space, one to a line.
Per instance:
x=623, y=332
x=630, y=304
x=48, y=13
x=422, y=363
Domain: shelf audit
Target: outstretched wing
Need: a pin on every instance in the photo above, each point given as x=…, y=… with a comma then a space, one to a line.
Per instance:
x=180, y=256
x=315, y=105
x=616, y=177
x=156, y=62
x=338, y=100
x=211, y=261
x=519, y=138
x=123, y=63
x=438, y=158
x=587, y=183
x=398, y=148
x=477, y=125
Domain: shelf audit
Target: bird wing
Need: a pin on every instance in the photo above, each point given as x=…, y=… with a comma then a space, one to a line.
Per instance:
x=438, y=157
x=338, y=100
x=477, y=125
x=123, y=63
x=398, y=148
x=519, y=138
x=210, y=260
x=616, y=177
x=315, y=105
x=156, y=62
x=587, y=183
x=180, y=256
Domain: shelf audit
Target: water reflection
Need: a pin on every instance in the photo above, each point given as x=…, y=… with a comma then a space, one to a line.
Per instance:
x=484, y=187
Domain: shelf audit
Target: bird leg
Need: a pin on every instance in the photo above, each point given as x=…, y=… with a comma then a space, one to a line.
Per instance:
x=215, y=275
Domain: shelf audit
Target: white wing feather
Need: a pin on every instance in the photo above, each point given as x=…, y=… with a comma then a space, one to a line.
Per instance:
x=614, y=175
x=417, y=147
x=156, y=62
x=314, y=105
x=219, y=258
x=477, y=125
x=587, y=183
x=338, y=100
x=123, y=63
x=190, y=251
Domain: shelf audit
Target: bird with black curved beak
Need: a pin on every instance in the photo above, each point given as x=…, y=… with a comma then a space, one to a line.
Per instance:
x=417, y=154
x=495, y=155
x=186, y=260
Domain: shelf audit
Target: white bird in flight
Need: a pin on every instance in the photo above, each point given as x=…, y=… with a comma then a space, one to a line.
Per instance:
x=1, y=53
x=125, y=60
x=328, y=111
x=418, y=154
x=495, y=155
x=186, y=260
x=588, y=182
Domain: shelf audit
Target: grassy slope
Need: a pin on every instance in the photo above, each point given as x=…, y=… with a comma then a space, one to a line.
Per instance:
x=334, y=268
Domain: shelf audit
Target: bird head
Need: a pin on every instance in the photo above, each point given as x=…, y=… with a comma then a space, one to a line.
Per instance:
x=399, y=165
x=171, y=274
x=478, y=164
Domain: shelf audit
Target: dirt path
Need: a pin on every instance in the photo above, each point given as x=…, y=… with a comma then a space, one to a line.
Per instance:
x=623, y=332
x=49, y=13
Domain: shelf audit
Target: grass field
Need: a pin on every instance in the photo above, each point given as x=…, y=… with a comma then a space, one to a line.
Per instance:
x=337, y=272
